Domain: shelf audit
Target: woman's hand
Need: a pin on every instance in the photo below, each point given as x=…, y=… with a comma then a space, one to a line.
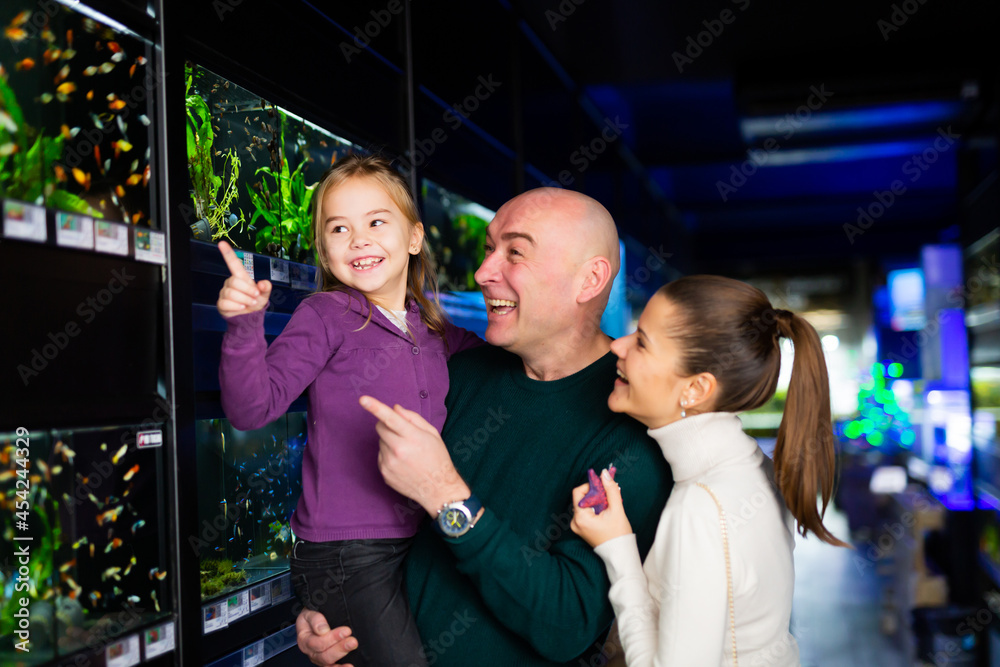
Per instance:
x=596, y=529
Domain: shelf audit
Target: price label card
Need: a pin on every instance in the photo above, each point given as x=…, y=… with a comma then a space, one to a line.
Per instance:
x=24, y=221
x=253, y=654
x=238, y=606
x=150, y=246
x=281, y=588
x=111, y=237
x=302, y=276
x=213, y=617
x=279, y=270
x=260, y=597
x=247, y=259
x=74, y=231
x=145, y=439
x=159, y=640
x=122, y=653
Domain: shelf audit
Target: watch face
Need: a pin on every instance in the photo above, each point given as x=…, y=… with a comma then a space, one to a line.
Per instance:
x=454, y=521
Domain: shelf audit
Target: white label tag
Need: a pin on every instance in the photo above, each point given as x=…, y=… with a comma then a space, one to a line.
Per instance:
x=74, y=231
x=24, y=221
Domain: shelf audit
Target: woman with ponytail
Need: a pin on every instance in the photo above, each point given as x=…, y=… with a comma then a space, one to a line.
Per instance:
x=716, y=588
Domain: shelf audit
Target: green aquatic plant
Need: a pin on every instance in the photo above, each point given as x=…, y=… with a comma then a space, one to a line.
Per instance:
x=204, y=181
x=285, y=202
x=28, y=159
x=218, y=575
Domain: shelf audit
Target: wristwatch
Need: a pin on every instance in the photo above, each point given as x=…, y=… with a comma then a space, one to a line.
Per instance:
x=456, y=518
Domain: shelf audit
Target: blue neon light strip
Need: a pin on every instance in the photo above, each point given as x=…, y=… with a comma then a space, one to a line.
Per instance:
x=897, y=115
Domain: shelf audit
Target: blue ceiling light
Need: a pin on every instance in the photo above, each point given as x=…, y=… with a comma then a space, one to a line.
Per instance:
x=912, y=114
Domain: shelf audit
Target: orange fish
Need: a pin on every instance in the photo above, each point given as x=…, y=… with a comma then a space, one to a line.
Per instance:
x=21, y=18
x=113, y=544
x=15, y=34
x=51, y=55
x=120, y=191
x=65, y=89
x=141, y=60
x=145, y=175
x=90, y=95
x=134, y=469
x=114, y=46
x=82, y=177
x=69, y=37
x=136, y=217
x=97, y=157
x=63, y=73
x=25, y=65
x=116, y=105
x=131, y=71
x=134, y=179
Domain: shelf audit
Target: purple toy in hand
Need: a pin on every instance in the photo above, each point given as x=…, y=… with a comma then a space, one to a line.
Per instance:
x=595, y=496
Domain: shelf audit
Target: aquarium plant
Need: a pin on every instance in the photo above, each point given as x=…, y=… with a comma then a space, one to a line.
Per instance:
x=28, y=161
x=212, y=212
x=218, y=575
x=284, y=201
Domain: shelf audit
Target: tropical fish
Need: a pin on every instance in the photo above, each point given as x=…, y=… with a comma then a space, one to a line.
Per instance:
x=111, y=572
x=113, y=544
x=118, y=57
x=15, y=34
x=595, y=496
x=119, y=454
x=156, y=603
x=24, y=65
x=64, y=89
x=130, y=564
x=68, y=565
x=90, y=71
x=68, y=54
x=134, y=179
x=82, y=177
x=21, y=18
x=145, y=175
x=131, y=473
x=8, y=148
x=90, y=94
x=63, y=73
x=115, y=47
x=51, y=55
x=69, y=37
x=7, y=121
x=94, y=597
x=133, y=599
x=136, y=217
x=121, y=146
x=156, y=572
x=110, y=516
x=80, y=542
x=45, y=98
x=144, y=119
x=106, y=67
x=137, y=525
x=68, y=132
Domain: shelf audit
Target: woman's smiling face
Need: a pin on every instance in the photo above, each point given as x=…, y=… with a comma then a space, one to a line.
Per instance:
x=649, y=387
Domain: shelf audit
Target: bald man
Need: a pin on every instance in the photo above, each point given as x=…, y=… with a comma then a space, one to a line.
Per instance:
x=497, y=577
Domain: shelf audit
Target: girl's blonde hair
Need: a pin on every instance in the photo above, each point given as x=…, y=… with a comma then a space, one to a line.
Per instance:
x=421, y=274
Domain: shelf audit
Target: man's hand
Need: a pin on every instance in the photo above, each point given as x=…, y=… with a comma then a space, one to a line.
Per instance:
x=594, y=528
x=413, y=458
x=240, y=294
x=322, y=645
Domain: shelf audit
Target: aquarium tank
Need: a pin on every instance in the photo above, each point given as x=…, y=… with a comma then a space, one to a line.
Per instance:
x=98, y=560
x=456, y=231
x=252, y=168
x=248, y=485
x=75, y=114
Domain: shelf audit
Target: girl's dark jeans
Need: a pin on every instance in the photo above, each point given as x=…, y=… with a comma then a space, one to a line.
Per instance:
x=359, y=583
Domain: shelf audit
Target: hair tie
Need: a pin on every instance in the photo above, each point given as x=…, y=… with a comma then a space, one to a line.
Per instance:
x=783, y=322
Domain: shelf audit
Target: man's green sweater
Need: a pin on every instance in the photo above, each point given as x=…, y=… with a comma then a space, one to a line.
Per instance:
x=520, y=588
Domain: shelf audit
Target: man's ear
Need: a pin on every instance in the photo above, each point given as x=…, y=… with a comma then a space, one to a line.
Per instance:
x=595, y=273
x=700, y=392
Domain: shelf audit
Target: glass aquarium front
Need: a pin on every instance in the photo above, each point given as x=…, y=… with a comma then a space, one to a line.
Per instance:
x=248, y=485
x=83, y=510
x=253, y=167
x=75, y=113
x=456, y=231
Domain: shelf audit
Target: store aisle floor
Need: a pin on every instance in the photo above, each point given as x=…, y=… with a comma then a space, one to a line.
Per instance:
x=836, y=608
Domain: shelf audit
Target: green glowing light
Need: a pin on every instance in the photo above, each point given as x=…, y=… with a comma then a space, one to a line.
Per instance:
x=896, y=370
x=875, y=438
x=853, y=430
x=907, y=438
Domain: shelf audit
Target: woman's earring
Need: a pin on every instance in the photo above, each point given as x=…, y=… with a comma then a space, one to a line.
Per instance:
x=683, y=405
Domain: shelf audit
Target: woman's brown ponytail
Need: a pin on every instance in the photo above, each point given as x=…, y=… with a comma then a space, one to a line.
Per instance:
x=804, y=454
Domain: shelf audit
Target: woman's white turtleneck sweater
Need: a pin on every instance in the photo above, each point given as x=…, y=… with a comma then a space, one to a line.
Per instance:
x=674, y=611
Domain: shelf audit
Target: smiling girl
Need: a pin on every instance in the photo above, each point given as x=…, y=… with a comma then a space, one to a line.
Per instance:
x=369, y=330
x=716, y=588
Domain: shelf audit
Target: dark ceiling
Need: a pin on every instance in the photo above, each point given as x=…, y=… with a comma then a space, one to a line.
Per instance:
x=699, y=154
